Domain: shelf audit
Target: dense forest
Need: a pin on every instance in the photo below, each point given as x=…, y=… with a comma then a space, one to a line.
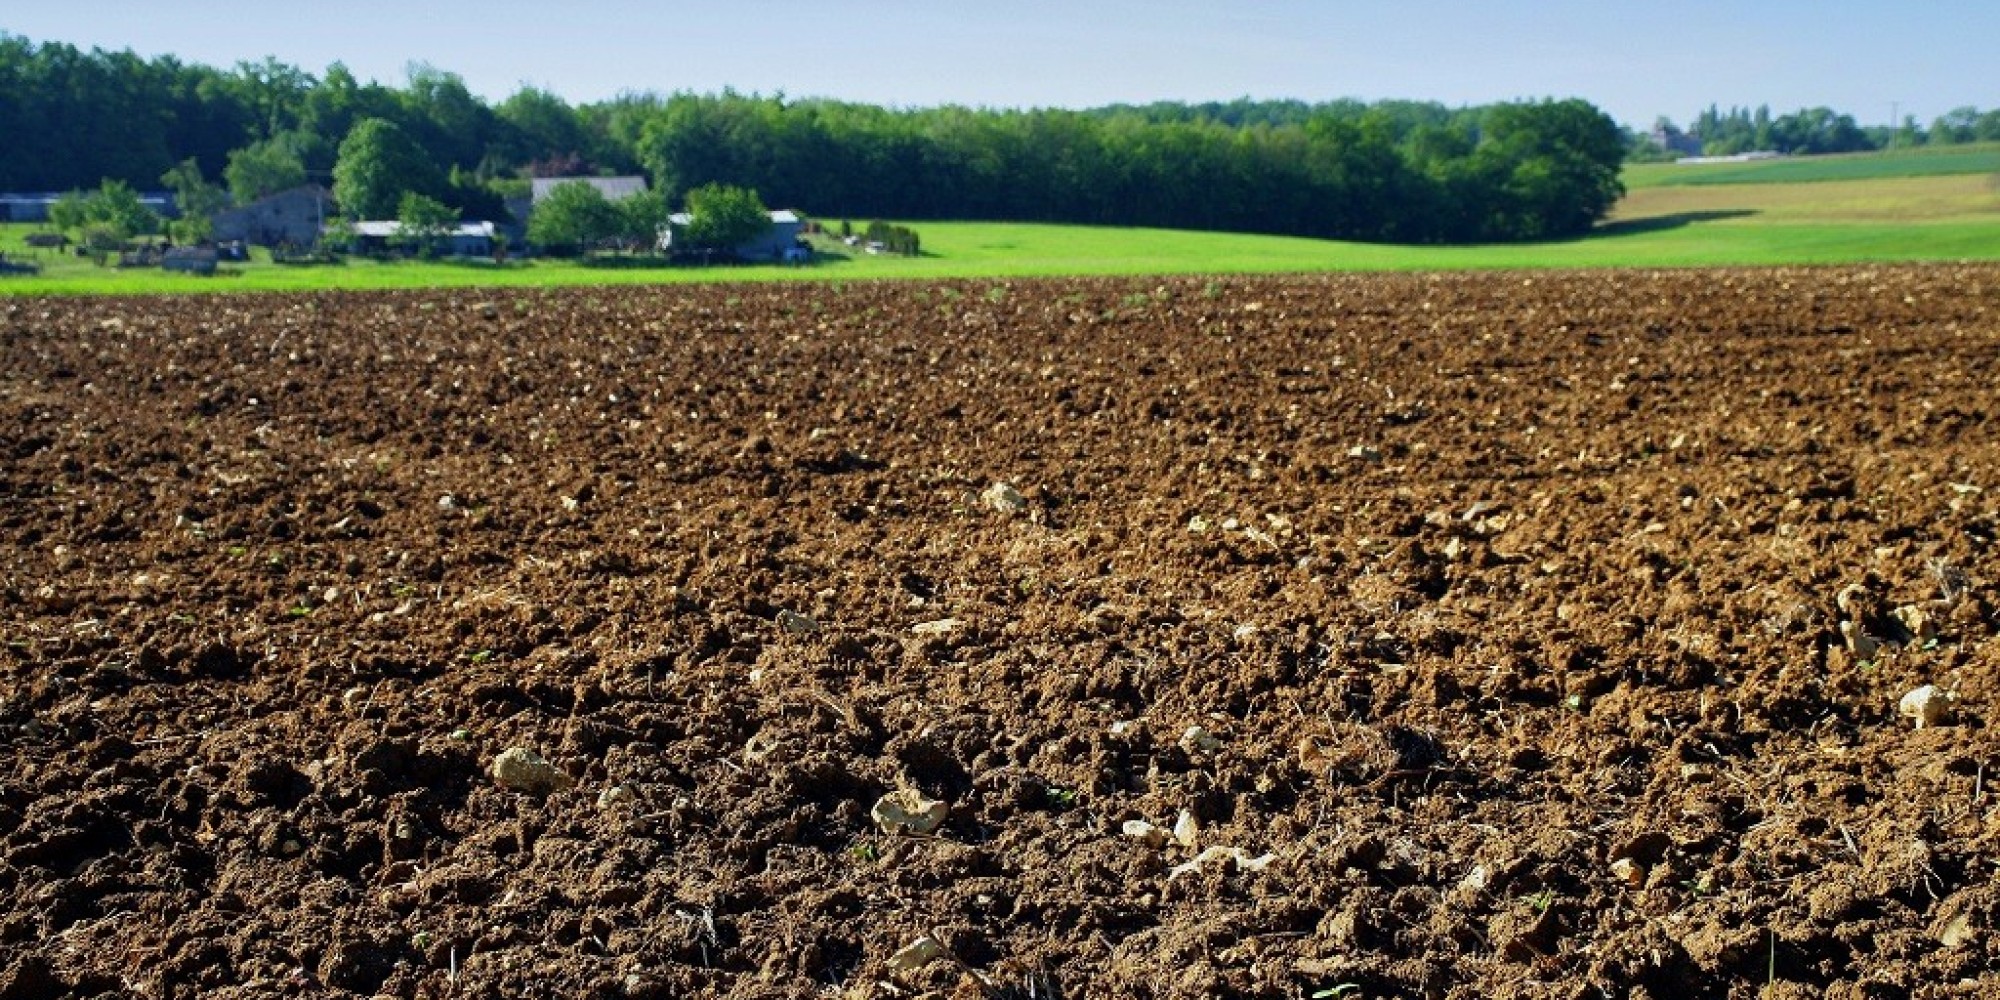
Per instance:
x=1396, y=171
x=1399, y=171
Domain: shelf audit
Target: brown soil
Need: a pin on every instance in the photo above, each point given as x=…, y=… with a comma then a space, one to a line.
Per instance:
x=1516, y=628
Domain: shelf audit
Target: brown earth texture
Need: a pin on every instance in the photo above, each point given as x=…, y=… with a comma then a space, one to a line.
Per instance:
x=1514, y=635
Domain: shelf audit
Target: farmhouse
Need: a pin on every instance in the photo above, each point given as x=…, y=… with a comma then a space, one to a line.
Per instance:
x=778, y=243
x=467, y=239
x=294, y=216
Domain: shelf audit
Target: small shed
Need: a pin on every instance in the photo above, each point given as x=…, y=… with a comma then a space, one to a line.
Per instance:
x=189, y=260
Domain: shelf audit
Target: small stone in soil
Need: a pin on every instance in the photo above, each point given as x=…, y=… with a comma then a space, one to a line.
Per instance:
x=1145, y=833
x=1235, y=856
x=524, y=770
x=908, y=811
x=1926, y=705
x=1004, y=498
x=1199, y=740
x=915, y=955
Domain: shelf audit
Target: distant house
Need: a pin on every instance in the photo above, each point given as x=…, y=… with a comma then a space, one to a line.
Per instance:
x=1673, y=140
x=778, y=243
x=612, y=188
x=295, y=217
x=467, y=239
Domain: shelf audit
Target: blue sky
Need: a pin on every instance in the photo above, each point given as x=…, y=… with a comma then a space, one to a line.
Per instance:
x=1634, y=60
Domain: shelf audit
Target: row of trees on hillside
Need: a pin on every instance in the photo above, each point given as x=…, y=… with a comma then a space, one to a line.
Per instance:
x=1397, y=171
x=1511, y=171
x=1823, y=130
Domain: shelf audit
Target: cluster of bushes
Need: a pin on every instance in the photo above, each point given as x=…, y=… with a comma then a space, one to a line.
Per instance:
x=894, y=239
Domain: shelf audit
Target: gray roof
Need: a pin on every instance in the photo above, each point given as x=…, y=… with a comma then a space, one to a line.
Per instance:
x=389, y=228
x=781, y=217
x=612, y=188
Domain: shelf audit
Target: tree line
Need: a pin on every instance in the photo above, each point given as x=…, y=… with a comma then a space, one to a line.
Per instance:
x=1389, y=171
x=1817, y=130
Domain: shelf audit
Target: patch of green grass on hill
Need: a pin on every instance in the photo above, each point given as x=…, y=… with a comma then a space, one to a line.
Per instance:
x=1935, y=218
x=1923, y=161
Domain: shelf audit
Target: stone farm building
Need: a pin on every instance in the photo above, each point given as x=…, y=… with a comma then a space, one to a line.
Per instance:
x=294, y=216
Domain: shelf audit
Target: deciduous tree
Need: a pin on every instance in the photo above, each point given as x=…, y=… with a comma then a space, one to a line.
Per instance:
x=197, y=199
x=722, y=217
x=378, y=164
x=425, y=221
x=572, y=218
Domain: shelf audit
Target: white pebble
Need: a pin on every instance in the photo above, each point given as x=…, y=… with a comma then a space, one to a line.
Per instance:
x=1927, y=705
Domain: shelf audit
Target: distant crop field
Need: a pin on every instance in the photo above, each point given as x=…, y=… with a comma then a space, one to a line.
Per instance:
x=1942, y=198
x=1980, y=158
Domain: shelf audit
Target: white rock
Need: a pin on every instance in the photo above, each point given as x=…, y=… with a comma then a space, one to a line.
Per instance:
x=1187, y=830
x=1199, y=740
x=1629, y=872
x=1475, y=880
x=795, y=623
x=1004, y=498
x=1957, y=930
x=1917, y=622
x=524, y=770
x=907, y=811
x=942, y=626
x=1145, y=833
x=1927, y=705
x=915, y=955
x=613, y=796
x=1861, y=644
x=1237, y=857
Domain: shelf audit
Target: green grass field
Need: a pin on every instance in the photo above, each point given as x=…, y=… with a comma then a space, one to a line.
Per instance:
x=1923, y=161
x=1876, y=216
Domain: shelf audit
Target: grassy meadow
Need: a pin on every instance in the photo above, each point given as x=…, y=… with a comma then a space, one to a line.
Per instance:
x=1901, y=206
x=1922, y=161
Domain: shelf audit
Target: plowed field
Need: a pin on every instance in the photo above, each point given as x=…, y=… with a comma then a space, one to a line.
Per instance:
x=1453, y=636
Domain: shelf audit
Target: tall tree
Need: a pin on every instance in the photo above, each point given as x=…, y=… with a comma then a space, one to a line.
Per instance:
x=378, y=164
x=572, y=217
x=722, y=217
x=197, y=199
x=262, y=168
x=425, y=221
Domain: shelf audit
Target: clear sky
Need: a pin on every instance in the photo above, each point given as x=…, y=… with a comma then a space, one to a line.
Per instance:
x=1635, y=60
